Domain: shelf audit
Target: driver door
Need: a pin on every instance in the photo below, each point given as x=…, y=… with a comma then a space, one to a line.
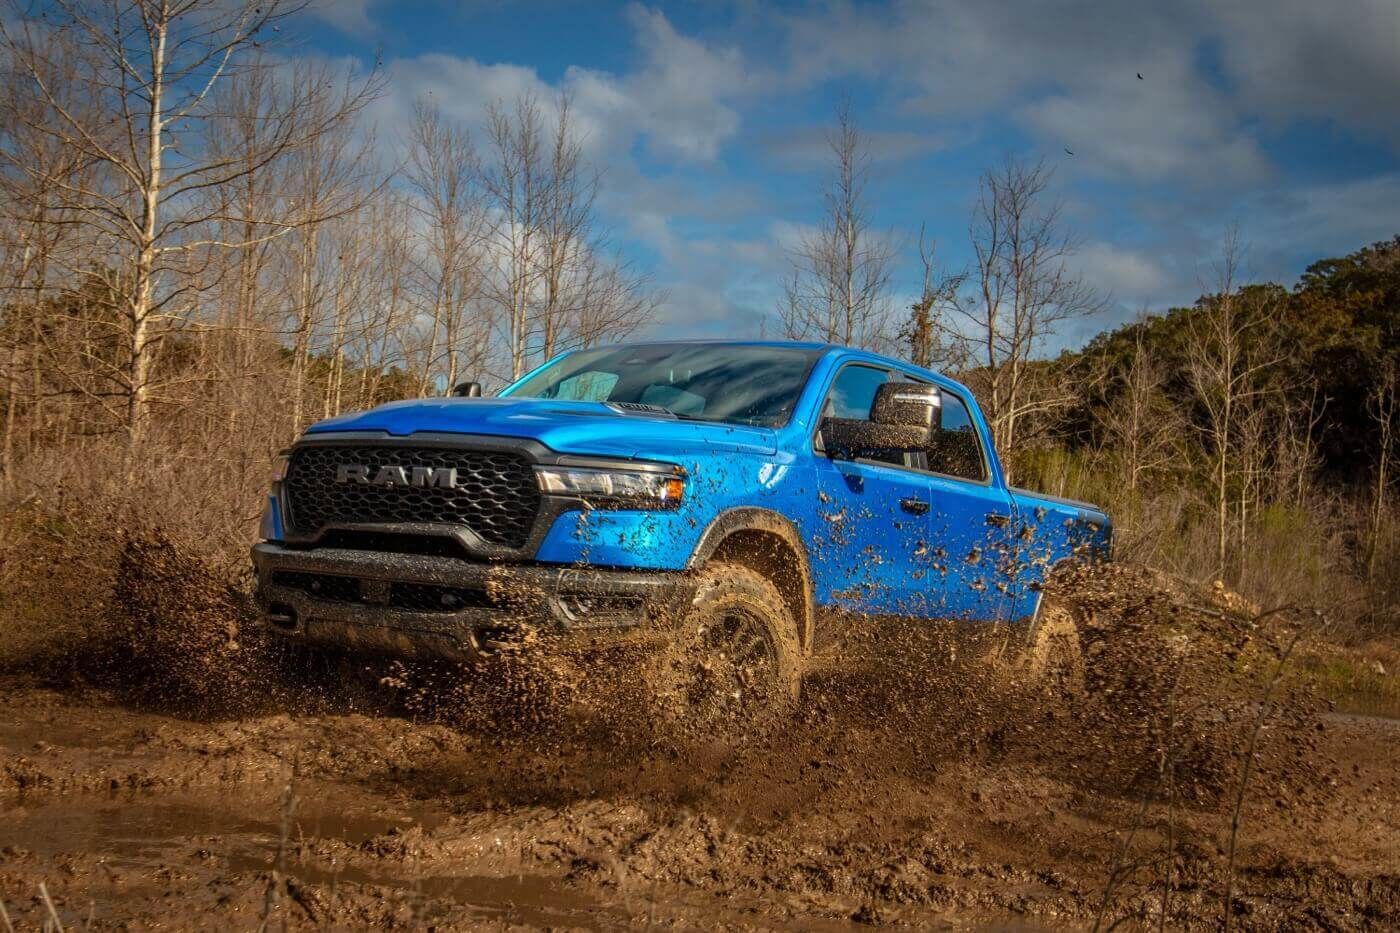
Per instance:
x=869, y=552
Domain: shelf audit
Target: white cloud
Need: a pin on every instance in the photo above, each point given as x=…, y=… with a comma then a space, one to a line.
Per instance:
x=1319, y=220
x=1067, y=72
x=1131, y=277
x=676, y=100
x=810, y=147
x=349, y=16
x=680, y=91
x=1175, y=128
x=1302, y=58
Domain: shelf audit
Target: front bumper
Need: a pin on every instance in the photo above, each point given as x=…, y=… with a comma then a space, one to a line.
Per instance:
x=445, y=607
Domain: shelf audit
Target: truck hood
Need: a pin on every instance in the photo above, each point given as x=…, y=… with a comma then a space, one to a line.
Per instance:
x=566, y=427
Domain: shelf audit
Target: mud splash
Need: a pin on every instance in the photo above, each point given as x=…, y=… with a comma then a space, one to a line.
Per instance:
x=919, y=782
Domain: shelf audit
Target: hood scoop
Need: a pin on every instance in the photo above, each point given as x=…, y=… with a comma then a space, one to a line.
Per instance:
x=640, y=408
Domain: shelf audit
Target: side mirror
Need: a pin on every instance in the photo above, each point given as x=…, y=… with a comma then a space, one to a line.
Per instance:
x=908, y=405
x=467, y=390
x=901, y=419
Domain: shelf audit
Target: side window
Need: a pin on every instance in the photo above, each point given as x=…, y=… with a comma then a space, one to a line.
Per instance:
x=955, y=450
x=852, y=395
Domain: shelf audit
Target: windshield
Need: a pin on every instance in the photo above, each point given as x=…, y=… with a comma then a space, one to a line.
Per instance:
x=708, y=382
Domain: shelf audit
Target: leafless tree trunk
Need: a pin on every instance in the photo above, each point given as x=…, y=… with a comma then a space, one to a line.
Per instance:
x=1382, y=406
x=34, y=169
x=929, y=339
x=1139, y=422
x=838, y=290
x=155, y=67
x=552, y=285
x=441, y=175
x=331, y=176
x=1022, y=292
x=566, y=247
x=1227, y=355
x=1295, y=456
x=516, y=180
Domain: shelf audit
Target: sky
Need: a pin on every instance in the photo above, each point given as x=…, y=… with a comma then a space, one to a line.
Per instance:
x=1279, y=118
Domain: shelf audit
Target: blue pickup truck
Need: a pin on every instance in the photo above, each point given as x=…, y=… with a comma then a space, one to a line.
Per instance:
x=741, y=500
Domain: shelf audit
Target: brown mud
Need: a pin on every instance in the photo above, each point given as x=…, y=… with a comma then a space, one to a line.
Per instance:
x=208, y=780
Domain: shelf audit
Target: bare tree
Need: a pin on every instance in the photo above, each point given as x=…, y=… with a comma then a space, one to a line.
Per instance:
x=566, y=250
x=331, y=175
x=1228, y=353
x=552, y=284
x=155, y=66
x=35, y=167
x=929, y=340
x=1296, y=458
x=1022, y=291
x=1382, y=405
x=838, y=289
x=613, y=300
x=515, y=178
x=441, y=174
x=1140, y=423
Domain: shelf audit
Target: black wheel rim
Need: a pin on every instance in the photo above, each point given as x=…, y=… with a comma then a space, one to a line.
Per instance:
x=735, y=665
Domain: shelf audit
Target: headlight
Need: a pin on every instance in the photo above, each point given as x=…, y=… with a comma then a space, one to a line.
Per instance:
x=623, y=489
x=279, y=467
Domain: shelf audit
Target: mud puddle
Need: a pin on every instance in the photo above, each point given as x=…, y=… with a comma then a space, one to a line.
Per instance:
x=137, y=841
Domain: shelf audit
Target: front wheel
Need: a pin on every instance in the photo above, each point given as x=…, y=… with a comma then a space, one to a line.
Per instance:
x=735, y=661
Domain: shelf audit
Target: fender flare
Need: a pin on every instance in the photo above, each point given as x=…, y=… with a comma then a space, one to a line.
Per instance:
x=750, y=518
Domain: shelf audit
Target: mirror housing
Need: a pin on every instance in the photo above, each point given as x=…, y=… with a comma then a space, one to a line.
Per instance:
x=467, y=390
x=902, y=418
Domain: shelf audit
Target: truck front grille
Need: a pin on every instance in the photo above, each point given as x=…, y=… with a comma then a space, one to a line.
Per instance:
x=496, y=494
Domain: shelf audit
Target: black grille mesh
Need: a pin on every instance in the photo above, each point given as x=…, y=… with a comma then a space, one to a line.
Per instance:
x=496, y=494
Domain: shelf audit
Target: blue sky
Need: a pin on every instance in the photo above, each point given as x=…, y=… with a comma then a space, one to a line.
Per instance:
x=1281, y=117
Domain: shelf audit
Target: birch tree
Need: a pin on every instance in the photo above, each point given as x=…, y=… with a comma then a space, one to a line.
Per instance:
x=1382, y=404
x=1140, y=423
x=441, y=175
x=514, y=176
x=155, y=66
x=1228, y=353
x=552, y=285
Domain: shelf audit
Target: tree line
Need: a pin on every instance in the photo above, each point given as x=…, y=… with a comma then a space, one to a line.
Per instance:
x=192, y=220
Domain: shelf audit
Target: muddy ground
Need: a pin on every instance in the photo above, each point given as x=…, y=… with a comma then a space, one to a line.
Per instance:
x=918, y=784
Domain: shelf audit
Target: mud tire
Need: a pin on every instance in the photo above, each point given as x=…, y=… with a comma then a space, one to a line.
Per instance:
x=735, y=664
x=1051, y=657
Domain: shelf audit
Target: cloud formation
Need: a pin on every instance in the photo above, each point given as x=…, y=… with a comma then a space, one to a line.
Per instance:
x=712, y=134
x=1066, y=71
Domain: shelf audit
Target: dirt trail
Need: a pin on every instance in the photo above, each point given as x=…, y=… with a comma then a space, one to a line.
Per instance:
x=914, y=786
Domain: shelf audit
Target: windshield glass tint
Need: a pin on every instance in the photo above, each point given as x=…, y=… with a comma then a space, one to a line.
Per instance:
x=711, y=382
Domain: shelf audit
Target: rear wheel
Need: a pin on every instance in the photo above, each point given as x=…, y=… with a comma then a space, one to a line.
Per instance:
x=1051, y=657
x=734, y=662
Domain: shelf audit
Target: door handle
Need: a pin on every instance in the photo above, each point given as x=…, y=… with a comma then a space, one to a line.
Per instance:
x=998, y=519
x=917, y=506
